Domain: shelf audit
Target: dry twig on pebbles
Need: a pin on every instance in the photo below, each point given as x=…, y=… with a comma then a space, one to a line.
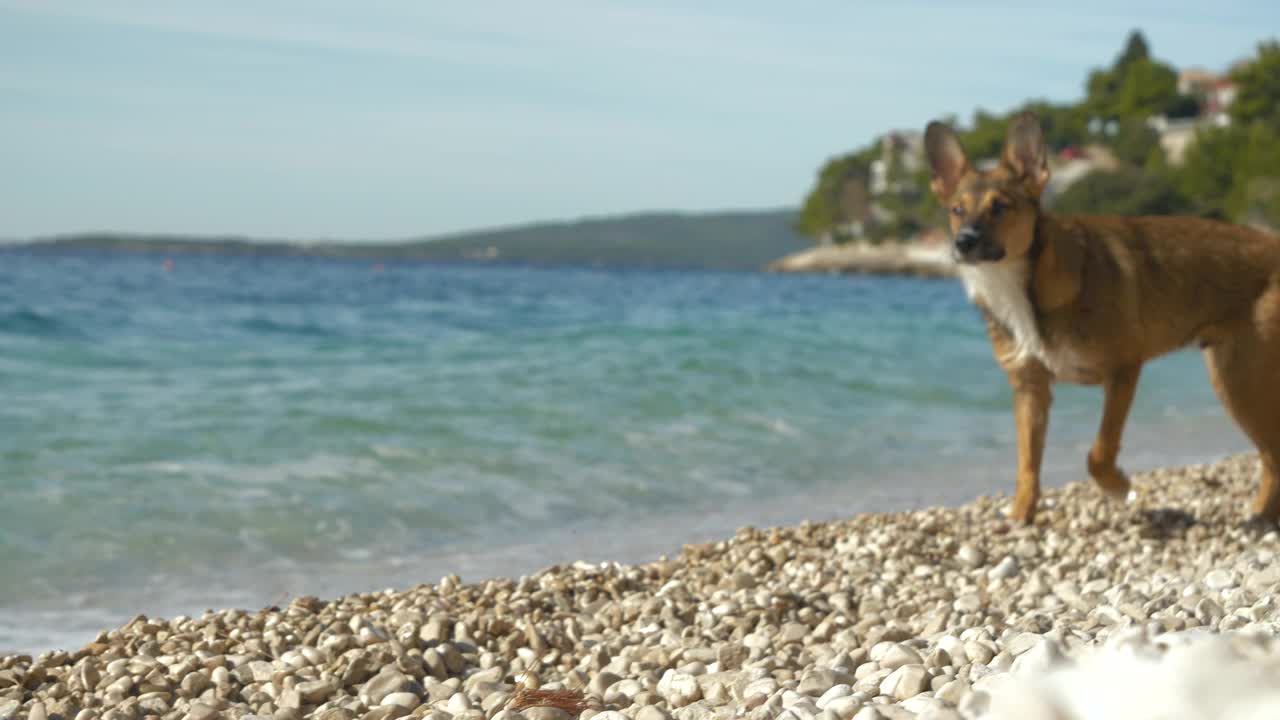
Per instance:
x=570, y=701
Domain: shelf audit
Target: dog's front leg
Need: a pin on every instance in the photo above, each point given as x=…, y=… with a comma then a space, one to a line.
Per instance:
x=1119, y=389
x=1031, y=400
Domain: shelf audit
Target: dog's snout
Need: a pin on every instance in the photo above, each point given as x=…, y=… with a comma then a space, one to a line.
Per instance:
x=966, y=239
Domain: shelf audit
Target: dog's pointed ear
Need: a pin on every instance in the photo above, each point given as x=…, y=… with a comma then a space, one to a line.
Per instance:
x=1024, y=152
x=947, y=161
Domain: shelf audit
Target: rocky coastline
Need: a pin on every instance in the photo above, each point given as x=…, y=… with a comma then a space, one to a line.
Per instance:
x=930, y=614
x=911, y=259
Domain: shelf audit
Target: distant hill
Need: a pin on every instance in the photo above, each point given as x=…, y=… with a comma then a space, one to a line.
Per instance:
x=737, y=240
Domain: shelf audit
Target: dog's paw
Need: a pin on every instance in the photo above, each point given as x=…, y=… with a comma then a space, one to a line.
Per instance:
x=1122, y=494
x=1115, y=485
x=1258, y=525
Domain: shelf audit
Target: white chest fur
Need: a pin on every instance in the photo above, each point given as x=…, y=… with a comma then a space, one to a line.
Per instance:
x=1002, y=288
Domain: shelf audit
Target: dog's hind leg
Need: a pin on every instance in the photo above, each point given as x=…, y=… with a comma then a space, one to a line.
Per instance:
x=1245, y=369
x=1120, y=388
x=1266, y=506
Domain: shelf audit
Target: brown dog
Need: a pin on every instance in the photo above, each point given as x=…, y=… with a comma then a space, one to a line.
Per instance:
x=1090, y=299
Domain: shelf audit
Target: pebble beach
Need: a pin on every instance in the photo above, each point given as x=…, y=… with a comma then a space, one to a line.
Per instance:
x=938, y=613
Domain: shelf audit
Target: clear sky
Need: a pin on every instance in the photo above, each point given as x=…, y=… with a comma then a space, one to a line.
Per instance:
x=388, y=119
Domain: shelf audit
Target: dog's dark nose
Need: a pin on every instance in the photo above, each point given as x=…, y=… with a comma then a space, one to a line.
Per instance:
x=966, y=240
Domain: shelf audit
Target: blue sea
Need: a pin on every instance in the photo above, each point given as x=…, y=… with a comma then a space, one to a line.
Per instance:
x=233, y=432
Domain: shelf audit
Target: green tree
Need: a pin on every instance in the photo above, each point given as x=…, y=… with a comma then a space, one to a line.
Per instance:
x=1101, y=93
x=1258, y=88
x=1256, y=171
x=1134, y=140
x=1262, y=202
x=824, y=207
x=1127, y=191
x=1231, y=172
x=1147, y=88
x=985, y=137
x=1135, y=50
x=1062, y=125
x=1136, y=85
x=911, y=211
x=1208, y=171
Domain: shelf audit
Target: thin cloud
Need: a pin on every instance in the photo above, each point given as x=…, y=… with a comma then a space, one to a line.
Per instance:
x=441, y=115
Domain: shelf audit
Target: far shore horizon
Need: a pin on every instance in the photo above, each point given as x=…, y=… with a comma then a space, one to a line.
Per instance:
x=431, y=236
x=728, y=240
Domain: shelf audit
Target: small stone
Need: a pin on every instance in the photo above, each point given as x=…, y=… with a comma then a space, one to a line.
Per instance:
x=952, y=692
x=403, y=699
x=384, y=712
x=842, y=707
x=257, y=671
x=818, y=681
x=290, y=699
x=1221, y=580
x=971, y=556
x=679, y=688
x=1208, y=612
x=652, y=712
x=154, y=703
x=314, y=692
x=200, y=711
x=978, y=653
x=383, y=684
x=1018, y=643
x=542, y=712
x=833, y=693
x=434, y=662
x=715, y=694
x=195, y=683
x=793, y=632
x=921, y=704
x=898, y=655
x=1264, y=580
x=967, y=603
x=453, y=659
x=1042, y=656
x=765, y=686
x=1007, y=568
x=954, y=648
x=731, y=656
x=458, y=702
x=905, y=682
x=1002, y=661
x=602, y=681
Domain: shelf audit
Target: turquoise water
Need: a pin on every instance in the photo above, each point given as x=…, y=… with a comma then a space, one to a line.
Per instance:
x=238, y=431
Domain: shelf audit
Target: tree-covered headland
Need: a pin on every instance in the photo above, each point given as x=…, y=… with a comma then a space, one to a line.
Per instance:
x=1147, y=138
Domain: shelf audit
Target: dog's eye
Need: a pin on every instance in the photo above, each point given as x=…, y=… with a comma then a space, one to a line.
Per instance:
x=997, y=207
x=958, y=211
